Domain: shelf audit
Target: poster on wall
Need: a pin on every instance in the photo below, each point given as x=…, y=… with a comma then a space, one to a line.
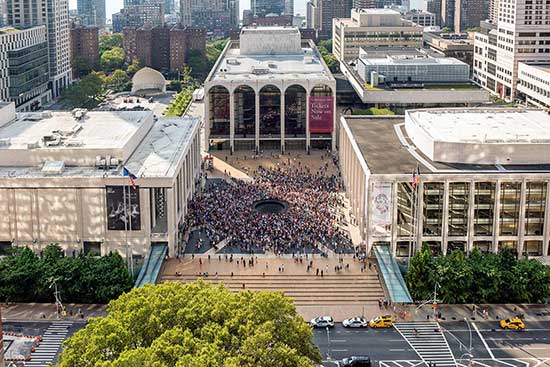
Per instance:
x=381, y=207
x=321, y=114
x=123, y=213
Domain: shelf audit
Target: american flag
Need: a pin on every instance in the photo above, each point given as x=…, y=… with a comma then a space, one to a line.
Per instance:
x=131, y=176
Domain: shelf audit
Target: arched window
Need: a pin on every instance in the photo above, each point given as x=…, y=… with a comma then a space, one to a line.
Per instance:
x=270, y=111
x=218, y=97
x=295, y=111
x=245, y=112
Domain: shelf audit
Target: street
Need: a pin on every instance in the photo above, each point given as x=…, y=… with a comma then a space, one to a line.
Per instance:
x=490, y=345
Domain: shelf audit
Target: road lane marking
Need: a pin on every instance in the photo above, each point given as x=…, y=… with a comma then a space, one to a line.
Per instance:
x=483, y=340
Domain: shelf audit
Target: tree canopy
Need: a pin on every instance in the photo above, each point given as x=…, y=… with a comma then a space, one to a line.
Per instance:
x=26, y=277
x=194, y=325
x=112, y=59
x=87, y=93
x=109, y=41
x=478, y=278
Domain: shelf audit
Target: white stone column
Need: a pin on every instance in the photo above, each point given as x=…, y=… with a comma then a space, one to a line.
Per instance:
x=546, y=227
x=419, y=215
x=206, y=119
x=171, y=225
x=257, y=136
x=394, y=203
x=521, y=219
x=283, y=111
x=232, y=121
x=335, y=118
x=496, y=217
x=471, y=217
x=445, y=218
x=308, y=135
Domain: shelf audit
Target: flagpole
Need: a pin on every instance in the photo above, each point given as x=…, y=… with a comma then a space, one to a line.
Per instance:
x=126, y=224
x=130, y=220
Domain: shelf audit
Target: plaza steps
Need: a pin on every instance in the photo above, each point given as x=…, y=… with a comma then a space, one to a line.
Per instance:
x=304, y=289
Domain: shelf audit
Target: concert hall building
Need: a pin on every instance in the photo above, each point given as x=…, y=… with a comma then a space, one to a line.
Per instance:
x=483, y=179
x=62, y=179
x=270, y=90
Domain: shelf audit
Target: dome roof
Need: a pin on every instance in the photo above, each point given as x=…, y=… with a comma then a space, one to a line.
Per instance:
x=148, y=80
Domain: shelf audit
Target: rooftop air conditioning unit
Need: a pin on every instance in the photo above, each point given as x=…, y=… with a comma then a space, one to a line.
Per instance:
x=51, y=168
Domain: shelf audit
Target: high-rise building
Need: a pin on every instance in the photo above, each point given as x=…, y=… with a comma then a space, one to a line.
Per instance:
x=84, y=45
x=3, y=13
x=369, y=28
x=261, y=8
x=91, y=12
x=460, y=15
x=24, y=67
x=493, y=11
x=364, y=4
x=169, y=7
x=138, y=13
x=217, y=16
x=434, y=7
x=521, y=34
x=322, y=12
x=54, y=14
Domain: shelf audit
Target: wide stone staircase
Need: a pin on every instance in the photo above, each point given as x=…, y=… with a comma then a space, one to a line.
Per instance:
x=306, y=289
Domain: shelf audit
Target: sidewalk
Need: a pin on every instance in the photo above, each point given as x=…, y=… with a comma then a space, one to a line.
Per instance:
x=26, y=312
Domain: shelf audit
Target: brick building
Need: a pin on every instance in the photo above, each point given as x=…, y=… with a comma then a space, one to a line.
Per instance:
x=84, y=45
x=163, y=48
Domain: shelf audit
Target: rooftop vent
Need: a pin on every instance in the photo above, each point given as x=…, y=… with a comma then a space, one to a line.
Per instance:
x=233, y=62
x=51, y=168
x=5, y=142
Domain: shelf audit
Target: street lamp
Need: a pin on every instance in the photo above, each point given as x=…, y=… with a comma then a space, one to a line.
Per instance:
x=59, y=305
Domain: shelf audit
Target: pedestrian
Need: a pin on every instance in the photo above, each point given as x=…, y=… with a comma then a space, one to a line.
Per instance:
x=380, y=304
x=321, y=273
x=243, y=285
x=317, y=272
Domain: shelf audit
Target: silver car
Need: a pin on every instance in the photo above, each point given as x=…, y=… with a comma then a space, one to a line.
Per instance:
x=322, y=321
x=355, y=322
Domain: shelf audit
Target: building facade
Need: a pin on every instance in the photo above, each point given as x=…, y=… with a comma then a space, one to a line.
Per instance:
x=520, y=34
x=373, y=28
x=364, y=4
x=534, y=84
x=457, y=45
x=485, y=202
x=54, y=14
x=62, y=180
x=270, y=91
x=164, y=48
x=84, y=46
x=147, y=13
x=322, y=12
x=218, y=17
x=421, y=18
x=261, y=8
x=91, y=12
x=24, y=67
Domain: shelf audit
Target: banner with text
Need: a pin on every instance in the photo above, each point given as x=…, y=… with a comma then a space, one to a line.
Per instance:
x=321, y=114
x=381, y=208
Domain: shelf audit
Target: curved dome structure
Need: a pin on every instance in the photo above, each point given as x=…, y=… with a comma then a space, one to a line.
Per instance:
x=148, y=81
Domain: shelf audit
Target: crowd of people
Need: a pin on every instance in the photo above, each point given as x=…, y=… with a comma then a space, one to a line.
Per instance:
x=309, y=225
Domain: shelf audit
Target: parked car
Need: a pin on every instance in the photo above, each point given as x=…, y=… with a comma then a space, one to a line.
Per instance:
x=355, y=322
x=355, y=361
x=322, y=321
x=514, y=323
x=381, y=321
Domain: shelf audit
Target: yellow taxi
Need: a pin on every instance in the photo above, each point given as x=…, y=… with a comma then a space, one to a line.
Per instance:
x=381, y=321
x=513, y=323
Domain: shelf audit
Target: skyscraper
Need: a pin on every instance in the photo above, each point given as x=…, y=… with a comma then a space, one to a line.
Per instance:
x=91, y=12
x=138, y=13
x=261, y=8
x=364, y=4
x=217, y=16
x=521, y=33
x=54, y=14
x=463, y=14
x=3, y=13
x=322, y=12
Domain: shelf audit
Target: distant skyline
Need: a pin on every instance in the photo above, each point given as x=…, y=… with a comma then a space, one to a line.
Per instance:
x=113, y=6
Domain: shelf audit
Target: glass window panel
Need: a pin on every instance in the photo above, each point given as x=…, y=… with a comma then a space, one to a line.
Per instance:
x=484, y=208
x=459, y=199
x=510, y=195
x=535, y=207
x=433, y=208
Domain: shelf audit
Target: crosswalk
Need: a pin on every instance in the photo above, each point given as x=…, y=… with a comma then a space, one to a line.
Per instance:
x=428, y=341
x=53, y=337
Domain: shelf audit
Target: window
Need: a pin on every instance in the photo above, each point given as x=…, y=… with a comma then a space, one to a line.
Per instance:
x=510, y=194
x=484, y=208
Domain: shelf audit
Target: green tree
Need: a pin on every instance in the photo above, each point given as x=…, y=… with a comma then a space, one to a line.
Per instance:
x=194, y=325
x=330, y=60
x=112, y=59
x=454, y=275
x=118, y=80
x=109, y=41
x=86, y=93
x=326, y=44
x=133, y=67
x=174, y=85
x=20, y=276
x=81, y=65
x=418, y=274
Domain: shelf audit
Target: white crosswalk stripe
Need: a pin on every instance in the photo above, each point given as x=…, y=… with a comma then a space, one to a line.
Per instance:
x=428, y=341
x=54, y=336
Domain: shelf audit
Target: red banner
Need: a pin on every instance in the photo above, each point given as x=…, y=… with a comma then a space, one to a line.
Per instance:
x=321, y=114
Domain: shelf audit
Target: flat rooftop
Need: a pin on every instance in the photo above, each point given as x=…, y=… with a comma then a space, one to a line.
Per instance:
x=498, y=126
x=236, y=67
x=544, y=67
x=408, y=60
x=387, y=149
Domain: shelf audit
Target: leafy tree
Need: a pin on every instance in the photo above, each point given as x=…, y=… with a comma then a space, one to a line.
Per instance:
x=194, y=325
x=81, y=65
x=118, y=80
x=112, y=59
x=326, y=44
x=86, y=93
x=330, y=60
x=133, y=67
x=418, y=275
x=19, y=276
x=174, y=85
x=109, y=41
